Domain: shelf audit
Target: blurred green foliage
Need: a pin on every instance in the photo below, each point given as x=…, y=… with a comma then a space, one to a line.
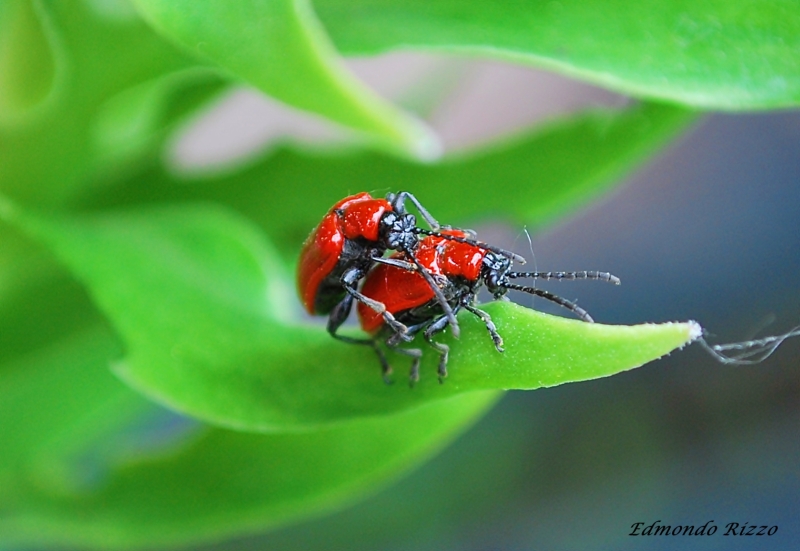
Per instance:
x=183, y=287
x=709, y=54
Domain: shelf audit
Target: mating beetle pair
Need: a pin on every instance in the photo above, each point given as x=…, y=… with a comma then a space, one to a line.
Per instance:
x=420, y=288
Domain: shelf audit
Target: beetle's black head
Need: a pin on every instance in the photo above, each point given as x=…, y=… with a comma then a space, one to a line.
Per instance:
x=397, y=231
x=494, y=270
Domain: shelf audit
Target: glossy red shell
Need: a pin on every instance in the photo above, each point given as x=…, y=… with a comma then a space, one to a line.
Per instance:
x=356, y=216
x=401, y=290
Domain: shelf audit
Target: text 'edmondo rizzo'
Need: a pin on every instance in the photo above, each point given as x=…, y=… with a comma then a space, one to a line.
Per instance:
x=707, y=529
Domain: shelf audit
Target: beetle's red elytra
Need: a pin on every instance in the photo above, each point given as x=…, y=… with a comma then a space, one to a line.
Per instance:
x=353, y=218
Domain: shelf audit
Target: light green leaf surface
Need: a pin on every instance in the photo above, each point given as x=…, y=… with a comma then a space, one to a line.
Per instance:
x=56, y=401
x=530, y=179
x=77, y=470
x=713, y=54
x=27, y=60
x=133, y=123
x=279, y=47
x=205, y=313
x=55, y=350
x=53, y=157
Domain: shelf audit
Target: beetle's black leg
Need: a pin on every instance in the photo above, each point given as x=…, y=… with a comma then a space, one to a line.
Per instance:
x=440, y=298
x=490, y=326
x=394, y=341
x=571, y=306
x=349, y=280
x=338, y=316
x=416, y=355
x=380, y=308
x=398, y=204
x=438, y=326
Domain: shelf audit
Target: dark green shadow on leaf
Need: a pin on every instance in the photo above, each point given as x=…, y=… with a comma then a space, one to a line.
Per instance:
x=40, y=302
x=714, y=54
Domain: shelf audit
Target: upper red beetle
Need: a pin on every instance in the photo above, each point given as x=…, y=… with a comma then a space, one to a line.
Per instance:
x=352, y=237
x=461, y=268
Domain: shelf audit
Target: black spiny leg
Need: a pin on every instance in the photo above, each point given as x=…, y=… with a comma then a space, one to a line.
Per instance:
x=349, y=280
x=490, y=326
x=444, y=351
x=414, y=353
x=398, y=203
x=394, y=341
x=441, y=299
x=338, y=316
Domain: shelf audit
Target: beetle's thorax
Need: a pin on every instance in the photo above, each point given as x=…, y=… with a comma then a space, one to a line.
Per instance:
x=397, y=231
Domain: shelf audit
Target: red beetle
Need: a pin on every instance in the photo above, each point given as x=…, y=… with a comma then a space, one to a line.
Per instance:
x=352, y=237
x=461, y=268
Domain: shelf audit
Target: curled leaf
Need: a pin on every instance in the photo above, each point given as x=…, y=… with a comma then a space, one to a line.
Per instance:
x=280, y=47
x=715, y=54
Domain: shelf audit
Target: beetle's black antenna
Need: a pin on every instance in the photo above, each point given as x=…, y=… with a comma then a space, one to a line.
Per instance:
x=479, y=244
x=571, y=306
x=569, y=276
x=533, y=256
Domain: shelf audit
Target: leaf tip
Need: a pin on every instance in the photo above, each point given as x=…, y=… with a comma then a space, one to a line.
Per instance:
x=426, y=147
x=687, y=331
x=695, y=331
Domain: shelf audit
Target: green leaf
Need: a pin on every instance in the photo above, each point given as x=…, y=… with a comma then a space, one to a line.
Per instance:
x=134, y=122
x=27, y=60
x=85, y=460
x=39, y=301
x=52, y=157
x=225, y=483
x=56, y=395
x=54, y=402
x=713, y=54
x=279, y=46
x=207, y=320
x=545, y=173
x=41, y=402
x=71, y=472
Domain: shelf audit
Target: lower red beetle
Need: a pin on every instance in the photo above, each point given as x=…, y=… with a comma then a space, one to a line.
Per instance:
x=350, y=239
x=461, y=268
